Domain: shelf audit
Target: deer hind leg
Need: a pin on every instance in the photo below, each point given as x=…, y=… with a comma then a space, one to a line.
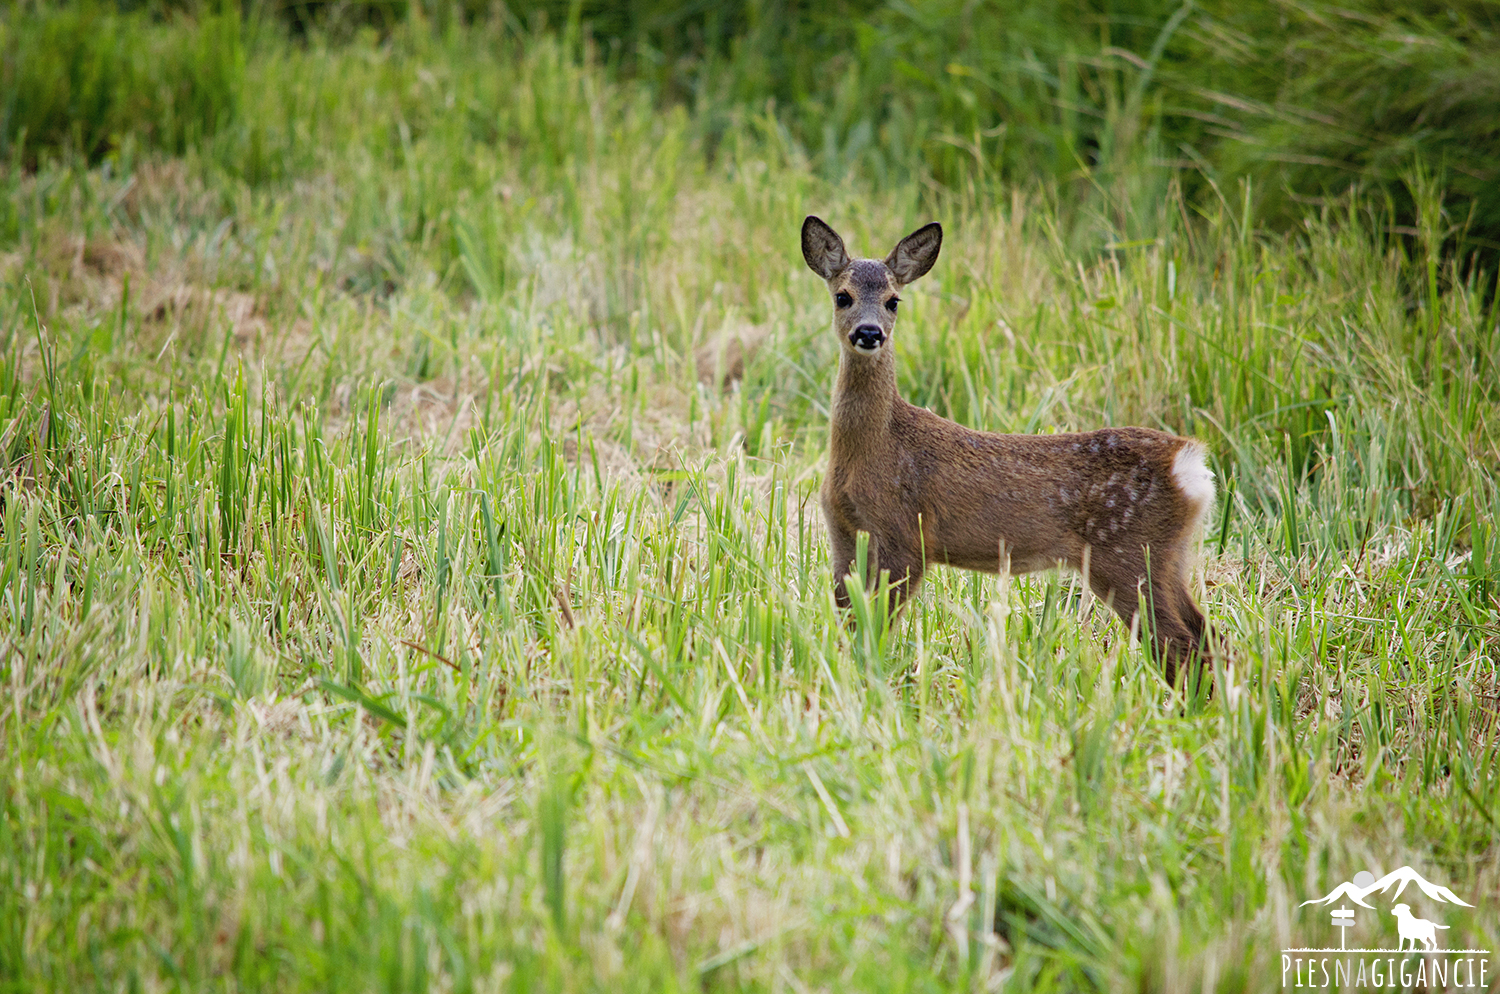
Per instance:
x=1179, y=633
x=1174, y=627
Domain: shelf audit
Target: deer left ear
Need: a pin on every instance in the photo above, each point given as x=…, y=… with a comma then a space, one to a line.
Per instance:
x=914, y=255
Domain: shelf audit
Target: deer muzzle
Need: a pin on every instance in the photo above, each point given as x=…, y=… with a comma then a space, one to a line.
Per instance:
x=867, y=337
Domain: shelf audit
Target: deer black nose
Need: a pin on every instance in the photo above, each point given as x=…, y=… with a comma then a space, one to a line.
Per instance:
x=867, y=337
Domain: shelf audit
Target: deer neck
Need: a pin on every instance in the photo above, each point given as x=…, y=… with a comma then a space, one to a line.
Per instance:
x=864, y=397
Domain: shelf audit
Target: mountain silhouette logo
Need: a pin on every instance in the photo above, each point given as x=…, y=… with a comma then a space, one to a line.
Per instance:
x=1358, y=889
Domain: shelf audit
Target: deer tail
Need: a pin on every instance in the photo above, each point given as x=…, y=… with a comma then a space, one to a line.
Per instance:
x=1195, y=481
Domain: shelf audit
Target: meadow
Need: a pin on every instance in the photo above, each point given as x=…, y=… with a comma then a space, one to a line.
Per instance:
x=412, y=575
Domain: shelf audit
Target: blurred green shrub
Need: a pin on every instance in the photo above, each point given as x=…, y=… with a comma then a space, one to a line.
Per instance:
x=1372, y=92
x=1106, y=101
x=77, y=78
x=1306, y=97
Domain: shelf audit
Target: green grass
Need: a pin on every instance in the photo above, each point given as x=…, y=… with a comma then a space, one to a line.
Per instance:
x=395, y=594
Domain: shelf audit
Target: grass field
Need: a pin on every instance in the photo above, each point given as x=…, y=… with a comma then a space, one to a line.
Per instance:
x=412, y=576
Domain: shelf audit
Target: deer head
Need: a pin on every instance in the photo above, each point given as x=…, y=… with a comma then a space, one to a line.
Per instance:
x=866, y=292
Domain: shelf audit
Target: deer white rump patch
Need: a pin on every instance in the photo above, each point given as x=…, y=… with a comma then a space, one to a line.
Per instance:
x=1195, y=481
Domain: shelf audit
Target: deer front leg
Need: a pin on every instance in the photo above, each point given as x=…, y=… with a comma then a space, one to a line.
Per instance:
x=842, y=542
x=904, y=566
x=846, y=561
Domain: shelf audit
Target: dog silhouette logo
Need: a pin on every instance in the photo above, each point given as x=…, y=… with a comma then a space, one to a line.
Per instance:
x=1416, y=929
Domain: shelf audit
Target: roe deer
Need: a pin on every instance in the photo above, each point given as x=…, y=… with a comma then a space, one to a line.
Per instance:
x=1121, y=505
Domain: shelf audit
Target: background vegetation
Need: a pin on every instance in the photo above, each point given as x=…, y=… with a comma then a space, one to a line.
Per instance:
x=411, y=419
x=1102, y=101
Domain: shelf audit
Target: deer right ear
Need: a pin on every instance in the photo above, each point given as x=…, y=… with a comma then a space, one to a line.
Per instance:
x=823, y=248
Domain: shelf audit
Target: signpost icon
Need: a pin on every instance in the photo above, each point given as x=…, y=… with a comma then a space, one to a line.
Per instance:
x=1343, y=918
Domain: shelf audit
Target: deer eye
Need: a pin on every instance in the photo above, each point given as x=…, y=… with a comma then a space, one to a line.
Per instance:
x=890, y=305
x=842, y=299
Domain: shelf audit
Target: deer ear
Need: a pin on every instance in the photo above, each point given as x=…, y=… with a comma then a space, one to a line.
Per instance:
x=914, y=255
x=823, y=248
